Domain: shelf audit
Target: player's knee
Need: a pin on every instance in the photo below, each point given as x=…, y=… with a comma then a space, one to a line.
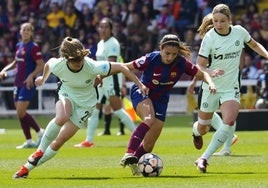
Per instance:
x=61, y=120
x=230, y=122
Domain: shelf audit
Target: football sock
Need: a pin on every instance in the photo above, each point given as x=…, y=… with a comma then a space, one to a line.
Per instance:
x=216, y=121
x=137, y=137
x=25, y=127
x=218, y=138
x=32, y=123
x=227, y=144
x=140, y=151
x=92, y=125
x=195, y=130
x=125, y=118
x=48, y=154
x=107, y=123
x=29, y=166
x=50, y=134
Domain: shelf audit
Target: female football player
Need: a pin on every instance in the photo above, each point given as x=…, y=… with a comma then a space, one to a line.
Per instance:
x=160, y=72
x=77, y=97
x=224, y=44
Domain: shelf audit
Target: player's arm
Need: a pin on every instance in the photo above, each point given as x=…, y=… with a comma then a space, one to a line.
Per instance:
x=3, y=73
x=257, y=47
x=40, y=80
x=30, y=79
x=206, y=77
x=120, y=67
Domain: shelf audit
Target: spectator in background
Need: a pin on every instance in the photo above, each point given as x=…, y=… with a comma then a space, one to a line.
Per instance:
x=249, y=71
x=69, y=15
x=29, y=63
x=262, y=89
x=187, y=16
x=164, y=22
x=137, y=35
x=54, y=16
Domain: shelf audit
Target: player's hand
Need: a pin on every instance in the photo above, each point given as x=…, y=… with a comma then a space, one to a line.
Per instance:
x=216, y=73
x=212, y=88
x=3, y=75
x=144, y=90
x=29, y=82
x=98, y=81
x=39, y=81
x=191, y=88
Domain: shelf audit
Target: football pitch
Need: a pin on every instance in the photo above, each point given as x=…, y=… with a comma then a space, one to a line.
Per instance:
x=247, y=167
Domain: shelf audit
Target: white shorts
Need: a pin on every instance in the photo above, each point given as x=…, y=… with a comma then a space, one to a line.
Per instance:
x=211, y=102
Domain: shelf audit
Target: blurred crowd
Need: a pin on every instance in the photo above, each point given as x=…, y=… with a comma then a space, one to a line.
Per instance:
x=138, y=24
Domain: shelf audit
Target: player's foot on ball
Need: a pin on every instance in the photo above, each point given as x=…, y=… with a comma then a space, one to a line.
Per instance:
x=34, y=158
x=84, y=144
x=128, y=159
x=235, y=139
x=198, y=141
x=201, y=165
x=21, y=173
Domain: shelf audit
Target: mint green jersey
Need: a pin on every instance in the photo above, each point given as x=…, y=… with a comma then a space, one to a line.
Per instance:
x=106, y=49
x=225, y=52
x=79, y=86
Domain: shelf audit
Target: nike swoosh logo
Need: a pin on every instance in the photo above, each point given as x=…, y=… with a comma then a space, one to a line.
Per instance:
x=158, y=114
x=156, y=74
x=217, y=48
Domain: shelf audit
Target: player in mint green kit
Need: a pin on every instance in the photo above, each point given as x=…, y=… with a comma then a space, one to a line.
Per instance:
x=224, y=43
x=108, y=49
x=77, y=97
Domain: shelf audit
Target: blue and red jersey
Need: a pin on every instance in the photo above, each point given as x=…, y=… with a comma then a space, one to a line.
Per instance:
x=159, y=77
x=26, y=56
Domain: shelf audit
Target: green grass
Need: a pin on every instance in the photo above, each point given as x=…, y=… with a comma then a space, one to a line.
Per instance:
x=99, y=166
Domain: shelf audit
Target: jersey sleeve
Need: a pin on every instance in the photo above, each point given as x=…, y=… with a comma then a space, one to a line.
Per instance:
x=36, y=52
x=205, y=47
x=191, y=69
x=246, y=34
x=140, y=63
x=98, y=67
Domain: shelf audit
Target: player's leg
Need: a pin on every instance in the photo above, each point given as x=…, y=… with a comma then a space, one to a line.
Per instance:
x=92, y=125
x=121, y=113
x=146, y=111
x=229, y=111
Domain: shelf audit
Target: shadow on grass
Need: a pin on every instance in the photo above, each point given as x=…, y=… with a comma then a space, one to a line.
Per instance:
x=77, y=178
x=244, y=173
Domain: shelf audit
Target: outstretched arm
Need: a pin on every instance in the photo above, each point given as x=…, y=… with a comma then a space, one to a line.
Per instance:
x=120, y=67
x=40, y=80
x=3, y=72
x=257, y=47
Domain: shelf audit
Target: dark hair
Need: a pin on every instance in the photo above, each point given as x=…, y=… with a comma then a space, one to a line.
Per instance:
x=109, y=21
x=173, y=40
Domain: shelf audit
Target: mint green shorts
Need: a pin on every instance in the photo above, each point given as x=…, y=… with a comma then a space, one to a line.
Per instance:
x=211, y=102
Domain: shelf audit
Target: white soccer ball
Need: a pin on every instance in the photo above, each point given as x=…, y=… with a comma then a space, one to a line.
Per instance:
x=150, y=165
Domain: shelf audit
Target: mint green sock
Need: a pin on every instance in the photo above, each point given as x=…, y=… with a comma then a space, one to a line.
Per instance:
x=51, y=132
x=125, y=118
x=92, y=125
x=49, y=153
x=218, y=139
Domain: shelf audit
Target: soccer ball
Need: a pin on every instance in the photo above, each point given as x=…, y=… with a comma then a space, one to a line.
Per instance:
x=150, y=165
